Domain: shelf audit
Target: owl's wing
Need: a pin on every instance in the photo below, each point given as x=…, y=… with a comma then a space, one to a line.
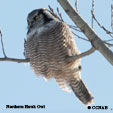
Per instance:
x=73, y=78
x=70, y=41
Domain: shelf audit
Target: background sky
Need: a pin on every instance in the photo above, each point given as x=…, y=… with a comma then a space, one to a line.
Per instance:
x=20, y=86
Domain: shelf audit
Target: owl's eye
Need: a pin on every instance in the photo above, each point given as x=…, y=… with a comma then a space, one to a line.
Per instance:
x=36, y=18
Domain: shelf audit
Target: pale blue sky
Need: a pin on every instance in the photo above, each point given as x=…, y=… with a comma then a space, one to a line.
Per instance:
x=19, y=85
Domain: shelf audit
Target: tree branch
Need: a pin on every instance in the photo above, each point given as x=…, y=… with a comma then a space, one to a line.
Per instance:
x=5, y=58
x=2, y=44
x=93, y=1
x=101, y=26
x=87, y=30
x=112, y=17
x=15, y=60
x=90, y=51
x=76, y=5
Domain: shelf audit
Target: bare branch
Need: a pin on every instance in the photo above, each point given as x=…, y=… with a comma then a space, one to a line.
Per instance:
x=112, y=17
x=51, y=9
x=108, y=40
x=87, y=30
x=2, y=44
x=90, y=51
x=76, y=5
x=108, y=44
x=60, y=15
x=107, y=31
x=5, y=58
x=74, y=28
x=80, y=37
x=92, y=13
x=15, y=60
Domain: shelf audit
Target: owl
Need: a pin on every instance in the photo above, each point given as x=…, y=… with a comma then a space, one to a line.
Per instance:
x=49, y=44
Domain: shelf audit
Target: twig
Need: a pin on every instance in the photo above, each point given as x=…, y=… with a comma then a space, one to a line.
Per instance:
x=90, y=51
x=107, y=31
x=108, y=44
x=76, y=5
x=60, y=15
x=5, y=58
x=112, y=17
x=80, y=37
x=51, y=9
x=2, y=45
x=92, y=13
x=108, y=40
x=74, y=28
x=15, y=60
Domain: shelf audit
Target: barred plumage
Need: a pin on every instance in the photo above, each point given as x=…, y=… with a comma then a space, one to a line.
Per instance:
x=48, y=46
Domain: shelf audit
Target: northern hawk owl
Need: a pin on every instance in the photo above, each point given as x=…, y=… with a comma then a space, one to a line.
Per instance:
x=48, y=45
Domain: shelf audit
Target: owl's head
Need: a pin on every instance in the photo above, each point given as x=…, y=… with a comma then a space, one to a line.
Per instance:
x=40, y=17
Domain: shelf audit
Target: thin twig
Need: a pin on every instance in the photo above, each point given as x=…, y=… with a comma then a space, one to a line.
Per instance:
x=107, y=31
x=2, y=45
x=76, y=5
x=92, y=13
x=108, y=44
x=108, y=40
x=51, y=9
x=72, y=58
x=15, y=60
x=80, y=37
x=5, y=58
x=60, y=15
x=112, y=17
x=74, y=28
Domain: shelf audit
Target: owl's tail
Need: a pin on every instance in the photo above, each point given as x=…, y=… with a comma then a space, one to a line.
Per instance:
x=81, y=92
